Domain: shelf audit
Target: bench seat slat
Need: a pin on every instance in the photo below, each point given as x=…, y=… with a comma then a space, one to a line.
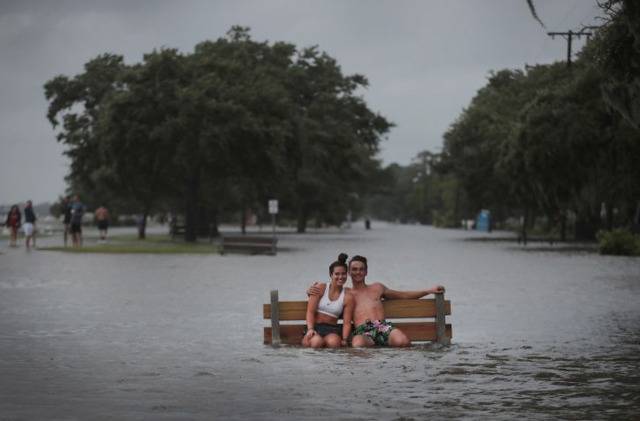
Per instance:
x=413, y=308
x=250, y=244
x=247, y=245
x=245, y=239
x=297, y=310
x=289, y=310
x=416, y=331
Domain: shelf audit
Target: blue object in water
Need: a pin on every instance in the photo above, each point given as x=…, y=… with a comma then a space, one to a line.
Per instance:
x=483, y=221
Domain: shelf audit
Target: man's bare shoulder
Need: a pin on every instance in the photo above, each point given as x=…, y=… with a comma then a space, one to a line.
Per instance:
x=349, y=295
x=316, y=288
x=376, y=288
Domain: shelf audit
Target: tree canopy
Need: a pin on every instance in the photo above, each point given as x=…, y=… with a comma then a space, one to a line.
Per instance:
x=551, y=141
x=226, y=127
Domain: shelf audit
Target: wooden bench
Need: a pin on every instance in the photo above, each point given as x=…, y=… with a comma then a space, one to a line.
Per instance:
x=429, y=322
x=177, y=231
x=249, y=244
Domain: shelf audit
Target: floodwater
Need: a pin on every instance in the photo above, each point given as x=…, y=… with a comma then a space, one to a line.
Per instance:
x=538, y=334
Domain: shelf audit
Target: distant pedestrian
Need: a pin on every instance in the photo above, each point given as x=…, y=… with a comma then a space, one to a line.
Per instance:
x=29, y=226
x=14, y=219
x=77, y=212
x=102, y=220
x=67, y=217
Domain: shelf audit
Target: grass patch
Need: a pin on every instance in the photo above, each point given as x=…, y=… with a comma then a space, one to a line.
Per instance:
x=130, y=244
x=151, y=239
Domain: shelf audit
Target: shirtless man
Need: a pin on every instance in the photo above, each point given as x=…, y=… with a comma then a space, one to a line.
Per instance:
x=102, y=220
x=368, y=313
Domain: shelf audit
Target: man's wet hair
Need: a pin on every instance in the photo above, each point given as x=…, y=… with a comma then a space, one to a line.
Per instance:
x=342, y=261
x=358, y=258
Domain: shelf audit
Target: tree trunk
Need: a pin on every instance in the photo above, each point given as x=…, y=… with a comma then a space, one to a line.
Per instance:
x=635, y=226
x=609, y=221
x=586, y=227
x=456, y=211
x=551, y=224
x=213, y=224
x=204, y=220
x=523, y=232
x=531, y=218
x=142, y=225
x=563, y=226
x=191, y=209
x=302, y=220
x=243, y=220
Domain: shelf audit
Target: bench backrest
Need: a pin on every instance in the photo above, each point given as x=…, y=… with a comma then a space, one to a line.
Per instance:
x=249, y=244
x=242, y=239
x=421, y=320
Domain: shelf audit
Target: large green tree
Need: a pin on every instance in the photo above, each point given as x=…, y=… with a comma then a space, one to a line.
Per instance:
x=75, y=106
x=335, y=138
x=229, y=125
x=547, y=137
x=234, y=112
x=617, y=53
x=138, y=133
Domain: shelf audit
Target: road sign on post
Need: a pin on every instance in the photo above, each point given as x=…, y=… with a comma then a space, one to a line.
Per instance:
x=273, y=210
x=273, y=206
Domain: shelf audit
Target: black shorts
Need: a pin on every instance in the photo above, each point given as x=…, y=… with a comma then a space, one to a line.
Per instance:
x=103, y=225
x=76, y=228
x=323, y=329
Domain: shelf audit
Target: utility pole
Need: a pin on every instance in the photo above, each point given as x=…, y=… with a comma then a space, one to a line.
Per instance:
x=569, y=37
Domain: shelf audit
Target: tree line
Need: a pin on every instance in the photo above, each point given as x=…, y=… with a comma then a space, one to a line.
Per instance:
x=551, y=141
x=218, y=132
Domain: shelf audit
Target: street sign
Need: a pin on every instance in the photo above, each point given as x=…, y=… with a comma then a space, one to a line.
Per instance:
x=273, y=206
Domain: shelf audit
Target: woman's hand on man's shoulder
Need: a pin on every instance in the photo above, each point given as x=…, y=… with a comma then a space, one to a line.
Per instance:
x=316, y=288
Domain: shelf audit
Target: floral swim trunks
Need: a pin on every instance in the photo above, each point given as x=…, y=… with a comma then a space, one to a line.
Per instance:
x=378, y=330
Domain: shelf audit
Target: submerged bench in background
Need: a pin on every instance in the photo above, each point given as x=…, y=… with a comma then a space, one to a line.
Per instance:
x=248, y=244
x=428, y=322
x=177, y=230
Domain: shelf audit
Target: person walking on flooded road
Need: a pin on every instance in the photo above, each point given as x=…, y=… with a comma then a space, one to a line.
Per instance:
x=66, y=221
x=102, y=220
x=77, y=212
x=29, y=226
x=14, y=219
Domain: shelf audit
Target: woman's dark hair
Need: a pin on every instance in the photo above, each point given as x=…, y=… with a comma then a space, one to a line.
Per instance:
x=357, y=258
x=342, y=261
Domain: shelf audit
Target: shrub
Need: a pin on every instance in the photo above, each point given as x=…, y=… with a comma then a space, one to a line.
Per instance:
x=619, y=242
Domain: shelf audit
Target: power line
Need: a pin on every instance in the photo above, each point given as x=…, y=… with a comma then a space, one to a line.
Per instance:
x=569, y=35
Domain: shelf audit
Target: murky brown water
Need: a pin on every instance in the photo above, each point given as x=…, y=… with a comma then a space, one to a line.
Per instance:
x=537, y=334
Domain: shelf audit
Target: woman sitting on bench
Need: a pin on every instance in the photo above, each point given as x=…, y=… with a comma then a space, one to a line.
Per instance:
x=324, y=310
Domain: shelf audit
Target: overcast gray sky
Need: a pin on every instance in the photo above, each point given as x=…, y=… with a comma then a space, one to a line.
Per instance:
x=425, y=59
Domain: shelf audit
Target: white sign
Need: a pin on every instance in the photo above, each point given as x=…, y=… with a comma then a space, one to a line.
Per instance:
x=273, y=206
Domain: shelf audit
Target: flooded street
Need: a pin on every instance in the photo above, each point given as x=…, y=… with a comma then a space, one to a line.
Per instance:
x=537, y=334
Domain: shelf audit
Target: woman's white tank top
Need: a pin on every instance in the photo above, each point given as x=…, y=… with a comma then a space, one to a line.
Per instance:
x=328, y=307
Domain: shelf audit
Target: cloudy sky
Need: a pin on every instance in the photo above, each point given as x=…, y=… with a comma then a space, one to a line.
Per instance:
x=425, y=59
